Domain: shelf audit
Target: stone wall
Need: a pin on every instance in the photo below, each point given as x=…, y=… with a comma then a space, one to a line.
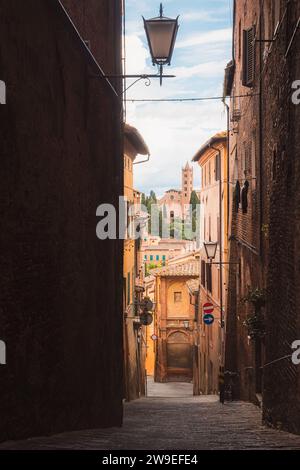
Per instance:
x=281, y=152
x=61, y=156
x=245, y=226
x=269, y=252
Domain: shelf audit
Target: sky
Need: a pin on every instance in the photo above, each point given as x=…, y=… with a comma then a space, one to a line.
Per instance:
x=175, y=131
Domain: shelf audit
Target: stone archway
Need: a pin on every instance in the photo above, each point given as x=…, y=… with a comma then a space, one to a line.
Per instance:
x=179, y=356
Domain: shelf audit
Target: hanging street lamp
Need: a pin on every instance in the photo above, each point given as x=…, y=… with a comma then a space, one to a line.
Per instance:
x=211, y=250
x=161, y=34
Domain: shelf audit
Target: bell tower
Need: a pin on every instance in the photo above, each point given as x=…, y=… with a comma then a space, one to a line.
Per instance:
x=187, y=184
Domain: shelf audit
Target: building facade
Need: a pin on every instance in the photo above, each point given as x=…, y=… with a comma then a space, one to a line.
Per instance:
x=157, y=252
x=134, y=333
x=264, y=144
x=174, y=322
x=212, y=159
x=61, y=147
x=149, y=284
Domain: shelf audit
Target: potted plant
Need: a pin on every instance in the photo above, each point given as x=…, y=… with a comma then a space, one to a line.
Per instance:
x=255, y=321
x=255, y=296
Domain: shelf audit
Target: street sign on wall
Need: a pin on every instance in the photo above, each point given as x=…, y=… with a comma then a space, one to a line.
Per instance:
x=208, y=308
x=208, y=319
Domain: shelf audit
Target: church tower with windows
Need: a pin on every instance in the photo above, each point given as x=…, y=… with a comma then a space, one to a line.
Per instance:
x=187, y=185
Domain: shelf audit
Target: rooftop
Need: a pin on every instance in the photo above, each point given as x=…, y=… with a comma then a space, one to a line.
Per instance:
x=193, y=285
x=187, y=269
x=136, y=140
x=218, y=138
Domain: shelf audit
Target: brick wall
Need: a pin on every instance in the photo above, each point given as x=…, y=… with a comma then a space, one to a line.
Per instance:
x=61, y=156
x=282, y=173
x=266, y=240
x=245, y=228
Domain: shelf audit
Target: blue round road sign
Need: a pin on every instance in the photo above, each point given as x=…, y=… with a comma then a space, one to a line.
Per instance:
x=208, y=319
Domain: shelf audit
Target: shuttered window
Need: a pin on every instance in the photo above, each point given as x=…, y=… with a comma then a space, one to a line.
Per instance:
x=208, y=277
x=217, y=167
x=128, y=289
x=203, y=274
x=248, y=57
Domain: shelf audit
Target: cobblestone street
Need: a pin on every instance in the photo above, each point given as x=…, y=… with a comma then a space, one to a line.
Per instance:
x=179, y=423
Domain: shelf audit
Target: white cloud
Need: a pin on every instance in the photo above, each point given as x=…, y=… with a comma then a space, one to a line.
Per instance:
x=211, y=37
x=175, y=131
x=206, y=70
x=200, y=16
x=136, y=55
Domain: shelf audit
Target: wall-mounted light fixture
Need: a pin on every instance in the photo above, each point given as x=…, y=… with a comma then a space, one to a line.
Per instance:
x=161, y=34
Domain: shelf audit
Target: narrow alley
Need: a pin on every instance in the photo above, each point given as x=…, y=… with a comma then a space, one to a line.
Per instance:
x=172, y=419
x=150, y=215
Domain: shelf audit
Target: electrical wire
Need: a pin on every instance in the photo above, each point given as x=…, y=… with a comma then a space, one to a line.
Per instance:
x=176, y=100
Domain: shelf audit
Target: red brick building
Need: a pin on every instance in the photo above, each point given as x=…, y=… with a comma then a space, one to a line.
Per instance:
x=263, y=293
x=61, y=157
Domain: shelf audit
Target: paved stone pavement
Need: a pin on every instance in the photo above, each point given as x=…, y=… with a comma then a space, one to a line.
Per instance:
x=179, y=423
x=169, y=389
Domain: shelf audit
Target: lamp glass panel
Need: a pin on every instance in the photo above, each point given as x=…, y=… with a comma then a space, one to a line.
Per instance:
x=211, y=249
x=161, y=36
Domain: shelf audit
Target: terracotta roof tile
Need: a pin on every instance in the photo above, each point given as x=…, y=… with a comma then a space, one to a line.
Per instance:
x=193, y=285
x=186, y=269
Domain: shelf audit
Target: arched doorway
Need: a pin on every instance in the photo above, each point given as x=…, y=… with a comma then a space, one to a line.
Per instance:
x=179, y=357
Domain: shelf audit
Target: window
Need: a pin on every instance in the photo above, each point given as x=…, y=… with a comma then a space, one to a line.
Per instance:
x=208, y=277
x=276, y=16
x=128, y=289
x=248, y=57
x=164, y=258
x=274, y=163
x=253, y=162
x=236, y=166
x=177, y=297
x=157, y=257
x=209, y=173
x=247, y=159
x=145, y=257
x=240, y=39
x=151, y=257
x=203, y=275
x=2, y=92
x=217, y=167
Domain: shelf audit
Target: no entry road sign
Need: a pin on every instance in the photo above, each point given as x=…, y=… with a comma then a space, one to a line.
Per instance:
x=208, y=319
x=208, y=308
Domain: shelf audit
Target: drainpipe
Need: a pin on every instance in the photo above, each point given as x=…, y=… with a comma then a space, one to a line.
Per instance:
x=142, y=161
x=228, y=163
x=260, y=134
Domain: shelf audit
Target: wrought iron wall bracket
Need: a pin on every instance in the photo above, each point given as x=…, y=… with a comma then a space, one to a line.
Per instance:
x=265, y=40
x=138, y=78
